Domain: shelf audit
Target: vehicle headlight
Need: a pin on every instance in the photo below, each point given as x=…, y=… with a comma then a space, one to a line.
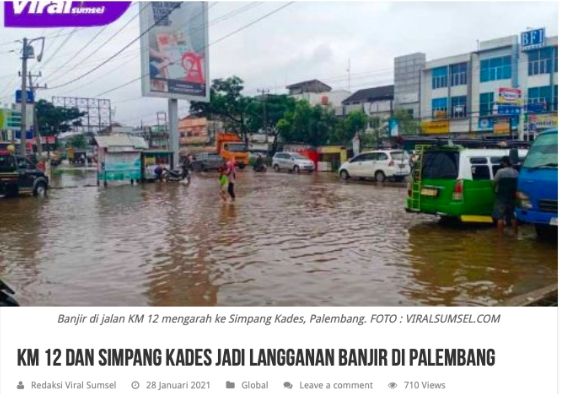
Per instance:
x=523, y=200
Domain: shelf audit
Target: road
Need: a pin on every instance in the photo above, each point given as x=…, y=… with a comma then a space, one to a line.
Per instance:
x=288, y=240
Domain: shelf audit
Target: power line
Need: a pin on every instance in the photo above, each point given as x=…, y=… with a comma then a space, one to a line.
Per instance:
x=118, y=52
x=208, y=45
x=104, y=43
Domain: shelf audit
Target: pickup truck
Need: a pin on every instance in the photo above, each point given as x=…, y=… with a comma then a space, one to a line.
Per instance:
x=19, y=175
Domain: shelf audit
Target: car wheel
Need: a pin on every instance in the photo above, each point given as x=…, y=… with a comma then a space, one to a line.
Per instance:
x=380, y=176
x=296, y=169
x=344, y=175
x=276, y=168
x=41, y=189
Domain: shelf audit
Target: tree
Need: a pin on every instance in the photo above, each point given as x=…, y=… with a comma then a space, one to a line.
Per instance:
x=307, y=124
x=78, y=141
x=407, y=125
x=53, y=120
x=226, y=104
x=347, y=128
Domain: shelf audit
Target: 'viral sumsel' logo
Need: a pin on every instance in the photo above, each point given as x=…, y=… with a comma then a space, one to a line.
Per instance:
x=49, y=13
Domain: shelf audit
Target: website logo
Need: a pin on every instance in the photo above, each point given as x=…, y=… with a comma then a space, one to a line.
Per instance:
x=53, y=14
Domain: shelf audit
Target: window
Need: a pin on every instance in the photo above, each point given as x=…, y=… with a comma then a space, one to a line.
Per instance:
x=485, y=103
x=458, y=108
x=382, y=156
x=440, y=165
x=481, y=173
x=555, y=60
x=540, y=61
x=495, y=69
x=440, y=77
x=439, y=108
x=359, y=158
x=458, y=74
x=555, y=98
x=478, y=160
x=540, y=95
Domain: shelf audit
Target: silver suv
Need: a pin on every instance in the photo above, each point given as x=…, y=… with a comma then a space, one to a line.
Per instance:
x=292, y=161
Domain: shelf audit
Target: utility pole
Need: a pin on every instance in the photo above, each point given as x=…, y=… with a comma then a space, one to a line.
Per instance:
x=23, y=97
x=36, y=126
x=27, y=53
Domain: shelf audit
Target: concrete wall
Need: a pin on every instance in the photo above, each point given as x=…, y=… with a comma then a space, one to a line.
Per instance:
x=407, y=81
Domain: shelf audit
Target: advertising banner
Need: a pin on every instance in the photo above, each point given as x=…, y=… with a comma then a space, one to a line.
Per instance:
x=435, y=127
x=509, y=96
x=543, y=121
x=502, y=126
x=174, y=50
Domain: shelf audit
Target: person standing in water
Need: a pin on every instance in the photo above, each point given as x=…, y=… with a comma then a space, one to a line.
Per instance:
x=223, y=183
x=232, y=176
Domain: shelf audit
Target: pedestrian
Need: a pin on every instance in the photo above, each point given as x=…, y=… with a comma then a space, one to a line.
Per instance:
x=187, y=168
x=232, y=176
x=223, y=183
x=505, y=186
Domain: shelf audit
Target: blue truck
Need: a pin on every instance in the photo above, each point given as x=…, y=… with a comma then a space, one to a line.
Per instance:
x=537, y=185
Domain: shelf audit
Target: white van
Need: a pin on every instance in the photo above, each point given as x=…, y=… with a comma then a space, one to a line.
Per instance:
x=380, y=165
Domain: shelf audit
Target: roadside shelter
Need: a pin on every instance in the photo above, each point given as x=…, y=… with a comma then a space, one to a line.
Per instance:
x=119, y=158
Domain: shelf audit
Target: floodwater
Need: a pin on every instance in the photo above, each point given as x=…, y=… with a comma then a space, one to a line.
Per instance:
x=292, y=240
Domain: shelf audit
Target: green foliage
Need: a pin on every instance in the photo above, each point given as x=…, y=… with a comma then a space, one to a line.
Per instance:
x=53, y=120
x=407, y=125
x=307, y=124
x=78, y=141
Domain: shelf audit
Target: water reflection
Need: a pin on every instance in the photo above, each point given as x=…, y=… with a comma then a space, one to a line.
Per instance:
x=288, y=240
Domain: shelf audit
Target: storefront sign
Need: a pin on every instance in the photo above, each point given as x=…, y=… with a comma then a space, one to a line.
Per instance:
x=502, y=109
x=435, y=127
x=534, y=38
x=543, y=121
x=509, y=96
x=502, y=126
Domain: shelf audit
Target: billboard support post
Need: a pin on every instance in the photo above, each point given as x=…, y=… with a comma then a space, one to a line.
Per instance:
x=173, y=131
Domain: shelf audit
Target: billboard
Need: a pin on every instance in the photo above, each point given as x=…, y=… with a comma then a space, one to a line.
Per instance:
x=533, y=38
x=174, y=50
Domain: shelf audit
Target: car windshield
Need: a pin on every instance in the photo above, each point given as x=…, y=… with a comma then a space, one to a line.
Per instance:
x=399, y=155
x=543, y=152
x=297, y=156
x=238, y=147
x=442, y=164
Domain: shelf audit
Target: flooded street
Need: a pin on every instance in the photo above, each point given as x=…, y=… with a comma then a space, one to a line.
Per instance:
x=290, y=240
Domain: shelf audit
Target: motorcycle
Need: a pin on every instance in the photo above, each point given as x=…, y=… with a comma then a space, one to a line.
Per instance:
x=176, y=175
x=261, y=168
x=6, y=300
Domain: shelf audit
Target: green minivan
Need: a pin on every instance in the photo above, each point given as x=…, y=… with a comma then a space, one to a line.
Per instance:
x=455, y=182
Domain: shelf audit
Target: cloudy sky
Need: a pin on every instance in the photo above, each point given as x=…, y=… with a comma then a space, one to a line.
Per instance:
x=303, y=41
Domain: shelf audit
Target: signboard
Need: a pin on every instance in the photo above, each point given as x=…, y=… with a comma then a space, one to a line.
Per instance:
x=503, y=109
x=509, y=96
x=435, y=127
x=393, y=127
x=502, y=126
x=543, y=121
x=3, y=119
x=537, y=107
x=29, y=97
x=174, y=50
x=534, y=38
x=487, y=123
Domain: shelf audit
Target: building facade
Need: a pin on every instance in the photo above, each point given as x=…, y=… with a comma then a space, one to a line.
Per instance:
x=508, y=86
x=375, y=102
x=407, y=70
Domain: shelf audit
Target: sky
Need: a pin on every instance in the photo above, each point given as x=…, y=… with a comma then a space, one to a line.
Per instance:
x=305, y=40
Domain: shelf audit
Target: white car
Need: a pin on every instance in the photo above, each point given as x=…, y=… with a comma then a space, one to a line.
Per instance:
x=379, y=165
x=292, y=161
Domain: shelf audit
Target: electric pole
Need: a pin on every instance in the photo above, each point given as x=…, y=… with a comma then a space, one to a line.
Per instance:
x=23, y=97
x=27, y=53
x=35, y=125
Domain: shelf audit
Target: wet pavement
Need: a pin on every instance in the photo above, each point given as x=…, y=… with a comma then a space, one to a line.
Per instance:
x=288, y=240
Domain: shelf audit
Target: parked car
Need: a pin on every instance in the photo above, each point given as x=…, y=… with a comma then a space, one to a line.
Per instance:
x=19, y=175
x=292, y=161
x=207, y=161
x=380, y=165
